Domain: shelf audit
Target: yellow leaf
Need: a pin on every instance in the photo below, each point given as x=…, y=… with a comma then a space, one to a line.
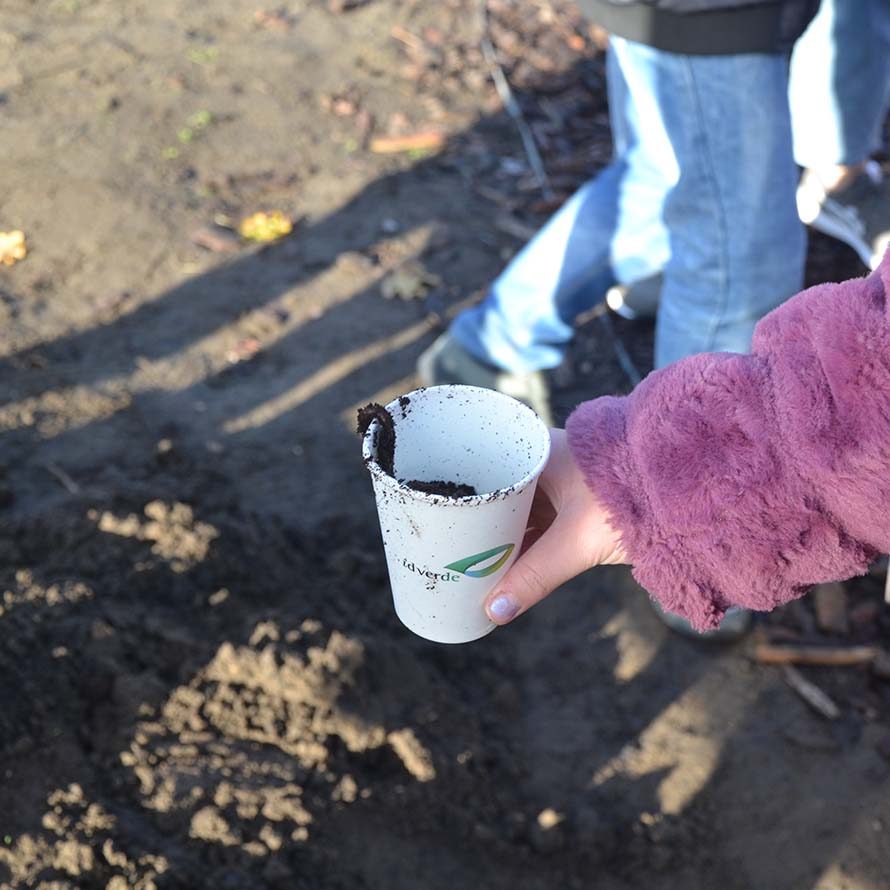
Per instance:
x=12, y=247
x=266, y=226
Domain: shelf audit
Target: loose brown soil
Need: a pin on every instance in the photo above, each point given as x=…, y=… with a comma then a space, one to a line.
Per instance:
x=204, y=684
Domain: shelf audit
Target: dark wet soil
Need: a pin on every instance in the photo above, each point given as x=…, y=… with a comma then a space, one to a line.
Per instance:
x=384, y=437
x=441, y=487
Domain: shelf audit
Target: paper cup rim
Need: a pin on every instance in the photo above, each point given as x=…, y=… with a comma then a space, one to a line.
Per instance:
x=468, y=500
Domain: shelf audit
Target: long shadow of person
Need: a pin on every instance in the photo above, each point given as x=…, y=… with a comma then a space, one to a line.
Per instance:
x=96, y=402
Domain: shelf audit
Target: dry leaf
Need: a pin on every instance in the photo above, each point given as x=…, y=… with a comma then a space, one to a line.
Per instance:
x=266, y=226
x=12, y=247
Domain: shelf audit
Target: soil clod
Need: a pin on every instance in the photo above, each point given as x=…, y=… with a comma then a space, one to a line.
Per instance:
x=386, y=433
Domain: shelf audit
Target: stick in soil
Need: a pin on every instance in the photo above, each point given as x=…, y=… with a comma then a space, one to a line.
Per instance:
x=811, y=693
x=621, y=353
x=831, y=656
x=427, y=140
x=507, y=223
x=67, y=482
x=511, y=106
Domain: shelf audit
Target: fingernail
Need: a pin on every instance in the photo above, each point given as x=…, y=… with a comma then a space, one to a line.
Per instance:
x=502, y=608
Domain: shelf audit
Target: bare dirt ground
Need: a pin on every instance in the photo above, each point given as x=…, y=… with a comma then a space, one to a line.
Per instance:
x=202, y=684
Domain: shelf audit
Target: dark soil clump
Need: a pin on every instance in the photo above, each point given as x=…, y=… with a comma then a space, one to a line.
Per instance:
x=386, y=434
x=446, y=489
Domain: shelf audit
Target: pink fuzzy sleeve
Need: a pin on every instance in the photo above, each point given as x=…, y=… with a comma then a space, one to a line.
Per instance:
x=745, y=479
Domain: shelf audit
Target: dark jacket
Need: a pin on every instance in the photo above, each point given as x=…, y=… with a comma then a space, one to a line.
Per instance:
x=705, y=27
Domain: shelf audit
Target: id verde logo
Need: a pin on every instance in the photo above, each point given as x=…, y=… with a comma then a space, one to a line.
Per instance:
x=499, y=555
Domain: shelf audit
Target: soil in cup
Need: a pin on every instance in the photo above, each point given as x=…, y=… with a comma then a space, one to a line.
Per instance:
x=386, y=434
x=446, y=489
x=386, y=450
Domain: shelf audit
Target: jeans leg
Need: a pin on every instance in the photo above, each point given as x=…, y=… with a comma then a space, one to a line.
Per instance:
x=840, y=82
x=525, y=321
x=610, y=229
x=736, y=245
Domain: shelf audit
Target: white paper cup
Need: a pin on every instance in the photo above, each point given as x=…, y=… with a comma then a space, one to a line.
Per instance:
x=445, y=554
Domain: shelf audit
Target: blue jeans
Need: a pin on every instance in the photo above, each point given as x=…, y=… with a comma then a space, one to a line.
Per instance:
x=701, y=186
x=840, y=83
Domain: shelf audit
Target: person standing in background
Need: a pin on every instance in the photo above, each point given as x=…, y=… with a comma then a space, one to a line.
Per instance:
x=703, y=196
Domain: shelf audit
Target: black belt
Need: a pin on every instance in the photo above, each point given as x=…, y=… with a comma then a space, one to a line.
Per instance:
x=745, y=29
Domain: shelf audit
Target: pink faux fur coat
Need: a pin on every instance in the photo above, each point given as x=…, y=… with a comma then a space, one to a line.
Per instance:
x=745, y=479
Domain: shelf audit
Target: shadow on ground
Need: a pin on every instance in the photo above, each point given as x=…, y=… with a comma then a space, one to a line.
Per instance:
x=205, y=685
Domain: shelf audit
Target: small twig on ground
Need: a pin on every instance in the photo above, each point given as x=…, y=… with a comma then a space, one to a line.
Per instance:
x=495, y=196
x=811, y=693
x=67, y=482
x=515, y=227
x=426, y=140
x=621, y=353
x=403, y=35
x=832, y=656
x=502, y=85
x=589, y=315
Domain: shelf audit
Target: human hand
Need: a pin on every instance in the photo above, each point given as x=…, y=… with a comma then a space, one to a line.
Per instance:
x=568, y=533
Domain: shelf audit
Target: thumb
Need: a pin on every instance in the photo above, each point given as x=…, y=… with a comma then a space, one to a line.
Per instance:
x=553, y=559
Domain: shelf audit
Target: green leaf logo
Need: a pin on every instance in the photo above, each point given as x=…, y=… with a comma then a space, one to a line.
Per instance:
x=465, y=565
